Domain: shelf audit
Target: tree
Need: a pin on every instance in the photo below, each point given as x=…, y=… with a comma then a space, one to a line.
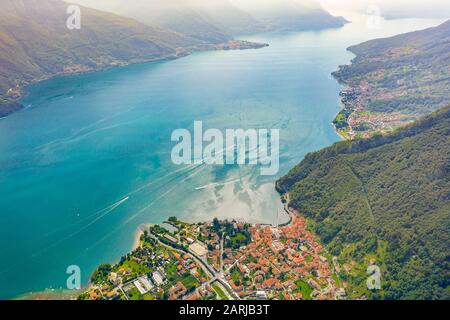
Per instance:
x=216, y=225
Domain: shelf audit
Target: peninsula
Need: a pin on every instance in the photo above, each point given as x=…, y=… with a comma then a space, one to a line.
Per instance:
x=393, y=82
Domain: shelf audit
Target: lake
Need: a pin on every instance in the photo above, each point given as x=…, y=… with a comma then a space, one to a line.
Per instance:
x=88, y=160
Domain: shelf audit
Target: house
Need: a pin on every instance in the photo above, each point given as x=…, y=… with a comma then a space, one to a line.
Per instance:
x=114, y=278
x=190, y=240
x=177, y=291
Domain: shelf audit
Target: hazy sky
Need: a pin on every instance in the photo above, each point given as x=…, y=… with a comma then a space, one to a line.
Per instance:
x=405, y=8
x=392, y=8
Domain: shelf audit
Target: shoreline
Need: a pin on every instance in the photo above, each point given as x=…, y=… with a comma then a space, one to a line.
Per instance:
x=138, y=233
x=60, y=294
x=231, y=45
x=344, y=87
x=65, y=294
x=338, y=133
x=50, y=295
x=208, y=234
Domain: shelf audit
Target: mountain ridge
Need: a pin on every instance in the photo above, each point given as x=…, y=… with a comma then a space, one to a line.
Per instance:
x=35, y=44
x=383, y=201
x=393, y=81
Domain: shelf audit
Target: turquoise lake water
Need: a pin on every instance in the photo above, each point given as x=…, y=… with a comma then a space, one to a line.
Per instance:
x=88, y=161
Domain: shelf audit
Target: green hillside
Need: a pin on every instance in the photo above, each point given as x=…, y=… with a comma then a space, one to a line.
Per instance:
x=181, y=16
x=8, y=106
x=397, y=79
x=35, y=42
x=384, y=200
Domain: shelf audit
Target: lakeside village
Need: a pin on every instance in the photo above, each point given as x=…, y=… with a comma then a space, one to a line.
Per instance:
x=354, y=121
x=221, y=260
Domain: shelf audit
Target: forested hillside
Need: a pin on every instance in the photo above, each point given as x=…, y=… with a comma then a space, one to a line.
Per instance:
x=181, y=16
x=393, y=81
x=384, y=200
x=35, y=42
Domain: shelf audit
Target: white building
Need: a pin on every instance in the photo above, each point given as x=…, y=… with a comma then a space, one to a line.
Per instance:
x=261, y=295
x=143, y=284
x=198, y=249
x=190, y=240
x=158, y=278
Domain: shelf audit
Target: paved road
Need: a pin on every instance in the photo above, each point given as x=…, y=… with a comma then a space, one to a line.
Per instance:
x=209, y=270
x=221, y=252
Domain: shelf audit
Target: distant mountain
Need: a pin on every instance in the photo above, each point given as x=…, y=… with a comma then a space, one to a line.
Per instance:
x=290, y=15
x=220, y=20
x=439, y=9
x=383, y=201
x=35, y=42
x=404, y=76
x=230, y=18
x=182, y=16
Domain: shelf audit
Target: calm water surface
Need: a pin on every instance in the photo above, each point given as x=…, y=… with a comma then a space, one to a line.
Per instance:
x=88, y=161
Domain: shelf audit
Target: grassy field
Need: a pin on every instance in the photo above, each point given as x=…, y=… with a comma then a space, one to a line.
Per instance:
x=190, y=282
x=220, y=292
x=305, y=289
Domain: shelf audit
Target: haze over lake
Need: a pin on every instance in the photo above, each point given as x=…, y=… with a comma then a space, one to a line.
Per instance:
x=88, y=160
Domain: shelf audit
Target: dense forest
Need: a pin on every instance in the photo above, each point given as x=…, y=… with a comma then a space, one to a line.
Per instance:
x=383, y=201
